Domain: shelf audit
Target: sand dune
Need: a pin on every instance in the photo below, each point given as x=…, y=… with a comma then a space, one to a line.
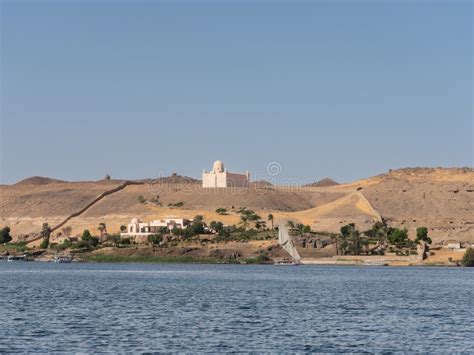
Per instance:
x=441, y=199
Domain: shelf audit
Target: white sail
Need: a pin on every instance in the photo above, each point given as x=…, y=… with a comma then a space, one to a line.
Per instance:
x=286, y=242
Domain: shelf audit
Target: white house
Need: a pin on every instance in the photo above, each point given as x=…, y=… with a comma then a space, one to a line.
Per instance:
x=220, y=177
x=452, y=244
x=138, y=228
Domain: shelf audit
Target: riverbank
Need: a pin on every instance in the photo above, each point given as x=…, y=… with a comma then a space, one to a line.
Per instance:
x=103, y=258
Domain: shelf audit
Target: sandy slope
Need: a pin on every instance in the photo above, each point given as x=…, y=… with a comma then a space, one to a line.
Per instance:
x=441, y=199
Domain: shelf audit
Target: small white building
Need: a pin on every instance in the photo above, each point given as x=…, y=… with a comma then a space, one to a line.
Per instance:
x=452, y=244
x=220, y=177
x=138, y=228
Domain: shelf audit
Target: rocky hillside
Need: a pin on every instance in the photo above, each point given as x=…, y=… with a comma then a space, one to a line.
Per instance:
x=441, y=199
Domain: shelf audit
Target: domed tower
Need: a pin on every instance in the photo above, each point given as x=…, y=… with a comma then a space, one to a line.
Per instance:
x=218, y=167
x=134, y=226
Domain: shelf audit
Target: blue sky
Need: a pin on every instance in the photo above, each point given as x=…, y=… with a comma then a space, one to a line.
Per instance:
x=345, y=89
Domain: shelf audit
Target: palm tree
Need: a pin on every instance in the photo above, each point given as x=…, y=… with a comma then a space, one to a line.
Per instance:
x=102, y=229
x=260, y=224
x=244, y=219
x=270, y=219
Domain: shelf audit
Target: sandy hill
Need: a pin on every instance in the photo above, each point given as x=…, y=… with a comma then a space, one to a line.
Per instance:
x=441, y=199
x=323, y=183
x=39, y=180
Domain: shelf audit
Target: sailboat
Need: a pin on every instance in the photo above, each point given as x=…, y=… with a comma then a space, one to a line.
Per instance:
x=284, y=239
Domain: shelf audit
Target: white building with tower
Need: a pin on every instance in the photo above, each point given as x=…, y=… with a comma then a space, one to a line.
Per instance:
x=220, y=177
x=139, y=228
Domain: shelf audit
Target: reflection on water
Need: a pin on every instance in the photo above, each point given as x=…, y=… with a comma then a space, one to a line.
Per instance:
x=217, y=308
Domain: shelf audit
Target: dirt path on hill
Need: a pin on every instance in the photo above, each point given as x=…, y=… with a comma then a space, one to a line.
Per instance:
x=90, y=204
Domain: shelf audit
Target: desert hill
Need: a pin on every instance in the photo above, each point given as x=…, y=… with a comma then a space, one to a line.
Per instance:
x=441, y=199
x=323, y=183
x=39, y=180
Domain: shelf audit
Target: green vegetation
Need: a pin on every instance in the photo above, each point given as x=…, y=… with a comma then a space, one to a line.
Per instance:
x=155, y=239
x=299, y=228
x=350, y=240
x=468, y=258
x=399, y=237
x=66, y=244
x=87, y=241
x=241, y=234
x=260, y=259
x=216, y=226
x=123, y=228
x=422, y=235
x=249, y=216
x=114, y=239
x=45, y=234
x=5, y=236
x=102, y=258
x=221, y=211
x=141, y=199
x=19, y=247
x=176, y=205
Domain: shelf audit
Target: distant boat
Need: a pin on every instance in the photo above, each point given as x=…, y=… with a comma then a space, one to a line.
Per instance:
x=376, y=263
x=11, y=258
x=284, y=239
x=62, y=259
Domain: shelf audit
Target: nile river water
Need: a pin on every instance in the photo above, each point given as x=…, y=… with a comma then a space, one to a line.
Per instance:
x=222, y=308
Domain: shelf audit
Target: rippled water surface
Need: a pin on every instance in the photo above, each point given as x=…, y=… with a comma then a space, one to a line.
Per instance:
x=218, y=308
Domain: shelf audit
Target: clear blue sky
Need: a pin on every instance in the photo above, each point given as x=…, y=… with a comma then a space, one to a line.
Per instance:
x=345, y=89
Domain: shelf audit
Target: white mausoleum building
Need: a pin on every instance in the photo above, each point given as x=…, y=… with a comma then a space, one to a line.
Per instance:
x=138, y=228
x=220, y=177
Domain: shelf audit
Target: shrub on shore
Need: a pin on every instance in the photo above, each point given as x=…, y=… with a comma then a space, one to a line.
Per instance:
x=422, y=235
x=155, y=239
x=5, y=236
x=45, y=234
x=468, y=258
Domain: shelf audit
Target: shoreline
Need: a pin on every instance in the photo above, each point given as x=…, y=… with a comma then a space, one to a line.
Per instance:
x=137, y=259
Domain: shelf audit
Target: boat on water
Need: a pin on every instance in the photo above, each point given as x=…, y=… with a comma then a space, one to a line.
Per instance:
x=11, y=258
x=286, y=263
x=62, y=259
x=376, y=263
x=285, y=241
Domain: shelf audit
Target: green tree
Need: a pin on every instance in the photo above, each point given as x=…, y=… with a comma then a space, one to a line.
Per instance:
x=247, y=216
x=86, y=235
x=379, y=231
x=141, y=199
x=270, y=219
x=468, y=258
x=90, y=241
x=155, y=239
x=399, y=237
x=216, y=226
x=221, y=211
x=5, y=236
x=45, y=234
x=115, y=239
x=422, y=235
x=197, y=227
x=177, y=231
x=351, y=240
